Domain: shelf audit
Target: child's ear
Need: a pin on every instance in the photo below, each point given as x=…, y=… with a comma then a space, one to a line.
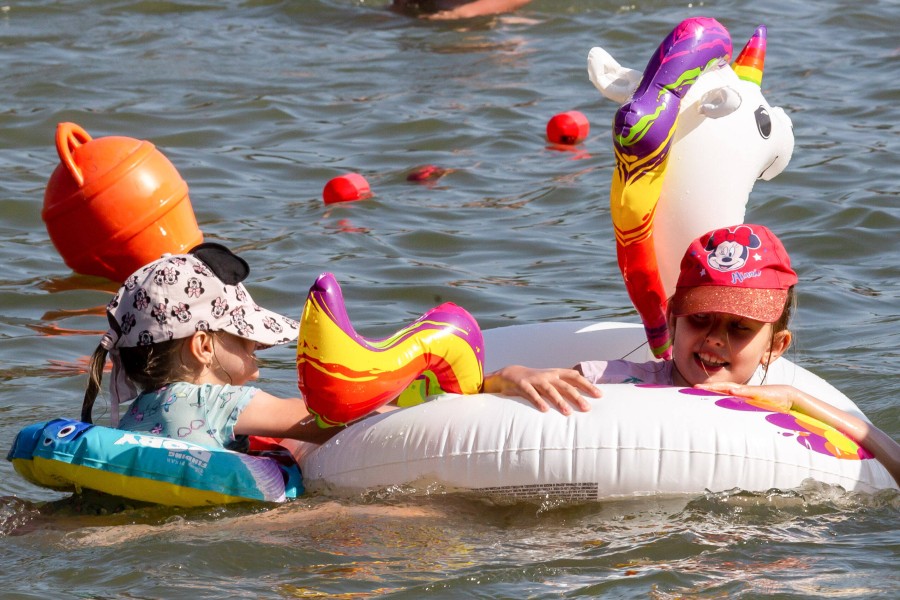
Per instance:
x=781, y=341
x=201, y=347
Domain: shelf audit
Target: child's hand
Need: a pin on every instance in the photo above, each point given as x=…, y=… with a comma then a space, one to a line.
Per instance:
x=783, y=398
x=777, y=398
x=542, y=387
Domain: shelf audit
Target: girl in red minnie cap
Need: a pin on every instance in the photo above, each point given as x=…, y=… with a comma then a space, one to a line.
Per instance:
x=729, y=317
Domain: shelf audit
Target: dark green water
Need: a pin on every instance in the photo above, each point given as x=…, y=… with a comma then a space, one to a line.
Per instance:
x=259, y=103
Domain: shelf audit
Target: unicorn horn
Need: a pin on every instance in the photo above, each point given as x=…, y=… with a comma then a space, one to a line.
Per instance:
x=749, y=65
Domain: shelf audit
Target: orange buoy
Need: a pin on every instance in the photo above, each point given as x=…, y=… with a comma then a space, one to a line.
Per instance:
x=114, y=204
x=568, y=128
x=346, y=188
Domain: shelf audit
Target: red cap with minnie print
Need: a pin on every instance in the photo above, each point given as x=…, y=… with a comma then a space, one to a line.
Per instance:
x=741, y=270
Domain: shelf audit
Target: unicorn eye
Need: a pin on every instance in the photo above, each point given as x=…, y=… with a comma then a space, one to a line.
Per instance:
x=763, y=122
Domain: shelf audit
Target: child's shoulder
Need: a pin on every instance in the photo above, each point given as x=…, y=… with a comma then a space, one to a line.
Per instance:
x=186, y=391
x=626, y=371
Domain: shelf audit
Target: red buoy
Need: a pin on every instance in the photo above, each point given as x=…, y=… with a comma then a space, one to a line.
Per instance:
x=568, y=128
x=346, y=188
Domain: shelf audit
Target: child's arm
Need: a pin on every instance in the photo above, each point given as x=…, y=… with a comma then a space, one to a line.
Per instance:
x=783, y=398
x=269, y=416
x=542, y=387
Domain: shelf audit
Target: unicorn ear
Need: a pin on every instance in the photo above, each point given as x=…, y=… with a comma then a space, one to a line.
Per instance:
x=720, y=102
x=750, y=63
x=614, y=81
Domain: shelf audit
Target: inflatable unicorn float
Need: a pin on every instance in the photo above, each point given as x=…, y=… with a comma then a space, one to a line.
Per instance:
x=692, y=135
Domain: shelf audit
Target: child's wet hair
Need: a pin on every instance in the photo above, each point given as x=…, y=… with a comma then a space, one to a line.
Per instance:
x=789, y=306
x=781, y=324
x=150, y=367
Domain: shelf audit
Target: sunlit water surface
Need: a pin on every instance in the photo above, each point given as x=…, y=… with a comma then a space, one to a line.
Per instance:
x=259, y=103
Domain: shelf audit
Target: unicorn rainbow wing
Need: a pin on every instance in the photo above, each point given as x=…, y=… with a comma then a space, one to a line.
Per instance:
x=344, y=376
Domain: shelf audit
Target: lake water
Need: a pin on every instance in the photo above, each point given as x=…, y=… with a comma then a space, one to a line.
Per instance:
x=259, y=103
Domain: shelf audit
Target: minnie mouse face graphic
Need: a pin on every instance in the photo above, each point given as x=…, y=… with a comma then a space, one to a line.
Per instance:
x=729, y=250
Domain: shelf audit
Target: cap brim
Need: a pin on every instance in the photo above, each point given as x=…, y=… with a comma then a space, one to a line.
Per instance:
x=268, y=328
x=765, y=305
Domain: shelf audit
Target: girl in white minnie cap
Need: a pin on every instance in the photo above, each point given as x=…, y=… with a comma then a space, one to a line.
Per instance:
x=182, y=338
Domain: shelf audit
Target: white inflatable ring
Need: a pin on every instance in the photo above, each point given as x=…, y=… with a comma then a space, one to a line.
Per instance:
x=637, y=440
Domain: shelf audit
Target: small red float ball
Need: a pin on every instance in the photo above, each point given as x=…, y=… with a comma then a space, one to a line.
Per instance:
x=346, y=188
x=426, y=173
x=568, y=128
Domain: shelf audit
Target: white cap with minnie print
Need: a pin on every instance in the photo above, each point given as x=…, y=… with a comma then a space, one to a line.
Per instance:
x=178, y=295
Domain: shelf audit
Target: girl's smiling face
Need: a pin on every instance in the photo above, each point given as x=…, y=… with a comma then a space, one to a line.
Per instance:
x=720, y=347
